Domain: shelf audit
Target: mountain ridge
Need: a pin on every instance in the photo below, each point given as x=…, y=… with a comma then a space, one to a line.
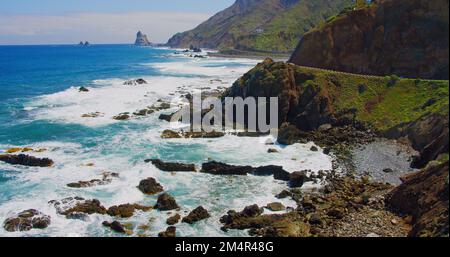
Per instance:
x=259, y=25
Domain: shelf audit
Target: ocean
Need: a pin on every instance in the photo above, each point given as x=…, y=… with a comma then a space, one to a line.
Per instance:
x=42, y=108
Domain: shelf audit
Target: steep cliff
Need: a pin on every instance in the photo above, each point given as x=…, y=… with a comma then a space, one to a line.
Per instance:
x=424, y=195
x=260, y=25
x=309, y=98
x=408, y=38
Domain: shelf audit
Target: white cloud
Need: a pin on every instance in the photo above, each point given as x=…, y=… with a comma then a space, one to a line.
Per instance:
x=94, y=27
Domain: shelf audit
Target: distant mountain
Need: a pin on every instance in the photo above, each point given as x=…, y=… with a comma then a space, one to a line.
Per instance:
x=142, y=40
x=407, y=38
x=260, y=25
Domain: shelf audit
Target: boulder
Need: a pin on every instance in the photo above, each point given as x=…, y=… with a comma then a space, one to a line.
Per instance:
x=170, y=134
x=115, y=226
x=218, y=168
x=72, y=206
x=196, y=215
x=83, y=89
x=122, y=116
x=126, y=210
x=27, y=220
x=106, y=179
x=276, y=206
x=314, y=148
x=277, y=171
x=170, y=232
x=26, y=160
x=272, y=150
x=149, y=186
x=173, y=219
x=283, y=194
x=173, y=166
x=166, y=202
x=134, y=82
x=298, y=178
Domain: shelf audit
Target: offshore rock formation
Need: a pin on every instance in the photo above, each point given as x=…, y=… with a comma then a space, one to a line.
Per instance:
x=408, y=38
x=424, y=195
x=142, y=40
x=26, y=160
x=259, y=25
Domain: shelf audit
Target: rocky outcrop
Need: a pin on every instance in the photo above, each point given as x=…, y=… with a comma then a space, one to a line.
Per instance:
x=170, y=232
x=115, y=226
x=135, y=82
x=142, y=40
x=173, y=219
x=26, y=160
x=172, y=166
x=408, y=38
x=275, y=225
x=425, y=196
x=328, y=107
x=107, y=178
x=77, y=207
x=218, y=168
x=196, y=215
x=126, y=210
x=429, y=135
x=149, y=186
x=166, y=202
x=27, y=220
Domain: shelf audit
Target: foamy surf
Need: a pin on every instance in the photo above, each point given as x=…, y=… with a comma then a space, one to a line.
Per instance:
x=122, y=147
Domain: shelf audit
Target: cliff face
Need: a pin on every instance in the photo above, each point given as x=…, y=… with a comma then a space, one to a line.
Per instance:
x=408, y=38
x=399, y=108
x=142, y=40
x=260, y=25
x=424, y=195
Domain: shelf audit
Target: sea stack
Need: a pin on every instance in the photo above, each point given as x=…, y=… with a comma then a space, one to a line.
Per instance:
x=142, y=40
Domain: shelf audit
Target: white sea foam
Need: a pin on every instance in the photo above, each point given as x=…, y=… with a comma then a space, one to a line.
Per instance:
x=124, y=150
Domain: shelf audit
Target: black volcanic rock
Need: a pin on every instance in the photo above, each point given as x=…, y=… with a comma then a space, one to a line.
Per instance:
x=26, y=160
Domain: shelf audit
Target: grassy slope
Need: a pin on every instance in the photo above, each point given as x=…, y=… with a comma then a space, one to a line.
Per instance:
x=283, y=28
x=387, y=101
x=283, y=32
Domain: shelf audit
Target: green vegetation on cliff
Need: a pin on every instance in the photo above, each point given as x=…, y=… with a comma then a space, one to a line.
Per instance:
x=260, y=26
x=310, y=97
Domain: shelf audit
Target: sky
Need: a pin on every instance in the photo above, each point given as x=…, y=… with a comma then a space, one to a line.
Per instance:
x=28, y=22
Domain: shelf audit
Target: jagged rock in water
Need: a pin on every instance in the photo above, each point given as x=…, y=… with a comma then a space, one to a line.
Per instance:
x=27, y=220
x=26, y=160
x=126, y=210
x=166, y=202
x=196, y=215
x=172, y=166
x=170, y=232
x=149, y=186
x=72, y=206
x=142, y=40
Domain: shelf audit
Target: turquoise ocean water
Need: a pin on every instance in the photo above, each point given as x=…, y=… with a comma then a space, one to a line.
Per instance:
x=41, y=108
